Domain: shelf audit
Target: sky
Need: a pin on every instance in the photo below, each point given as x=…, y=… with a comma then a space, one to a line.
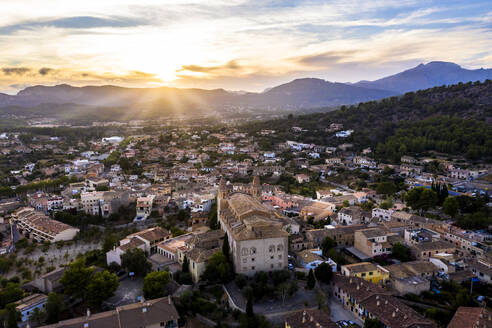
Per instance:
x=233, y=44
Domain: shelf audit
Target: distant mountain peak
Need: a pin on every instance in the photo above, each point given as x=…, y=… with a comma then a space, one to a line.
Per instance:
x=424, y=76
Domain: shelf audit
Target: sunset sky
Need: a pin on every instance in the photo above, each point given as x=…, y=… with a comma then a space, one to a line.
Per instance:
x=233, y=44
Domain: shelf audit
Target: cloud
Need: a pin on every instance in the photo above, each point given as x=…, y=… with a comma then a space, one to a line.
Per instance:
x=325, y=59
x=15, y=70
x=230, y=66
x=76, y=22
x=45, y=70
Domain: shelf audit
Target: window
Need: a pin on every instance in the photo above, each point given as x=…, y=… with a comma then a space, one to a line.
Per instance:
x=280, y=248
x=244, y=251
x=253, y=250
x=370, y=273
x=271, y=257
x=280, y=257
x=244, y=260
x=252, y=268
x=271, y=248
x=363, y=274
x=252, y=259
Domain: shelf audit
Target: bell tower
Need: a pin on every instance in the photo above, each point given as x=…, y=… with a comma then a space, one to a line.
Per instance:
x=256, y=188
x=222, y=192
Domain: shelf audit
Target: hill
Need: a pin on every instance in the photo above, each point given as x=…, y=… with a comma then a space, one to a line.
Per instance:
x=302, y=93
x=436, y=73
x=454, y=120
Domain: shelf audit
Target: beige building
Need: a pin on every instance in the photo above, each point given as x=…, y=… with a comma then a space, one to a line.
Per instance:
x=254, y=231
x=425, y=250
x=373, y=241
x=159, y=312
x=199, y=249
x=36, y=225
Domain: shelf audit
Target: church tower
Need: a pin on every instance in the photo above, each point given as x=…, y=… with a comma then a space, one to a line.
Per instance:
x=222, y=192
x=256, y=188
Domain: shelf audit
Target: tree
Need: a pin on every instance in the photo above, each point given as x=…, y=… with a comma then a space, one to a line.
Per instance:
x=154, y=285
x=185, y=268
x=37, y=316
x=134, y=260
x=54, y=307
x=13, y=316
x=387, y=204
x=226, y=248
x=249, y=306
x=450, y=206
x=76, y=278
x=327, y=244
x=386, y=188
x=10, y=293
x=401, y=252
x=110, y=240
x=102, y=286
x=428, y=199
x=311, y=280
x=212, y=217
x=323, y=273
x=421, y=198
x=218, y=269
x=287, y=288
x=373, y=323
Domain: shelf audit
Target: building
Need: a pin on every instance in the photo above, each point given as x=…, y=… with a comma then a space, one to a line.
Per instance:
x=426, y=250
x=103, y=203
x=367, y=271
x=254, y=231
x=423, y=269
x=481, y=269
x=372, y=242
x=420, y=235
x=146, y=240
x=144, y=207
x=49, y=282
x=342, y=235
x=36, y=225
x=471, y=317
x=367, y=300
x=27, y=305
x=309, y=319
x=159, y=312
x=411, y=285
x=199, y=249
x=353, y=215
x=381, y=214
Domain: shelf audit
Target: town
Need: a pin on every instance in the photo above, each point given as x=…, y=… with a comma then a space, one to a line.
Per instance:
x=189, y=224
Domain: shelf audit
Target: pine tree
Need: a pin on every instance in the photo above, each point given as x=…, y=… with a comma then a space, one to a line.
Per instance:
x=249, y=306
x=311, y=280
x=225, y=248
x=186, y=265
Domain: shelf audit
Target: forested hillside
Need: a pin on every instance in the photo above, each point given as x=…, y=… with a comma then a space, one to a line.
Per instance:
x=453, y=119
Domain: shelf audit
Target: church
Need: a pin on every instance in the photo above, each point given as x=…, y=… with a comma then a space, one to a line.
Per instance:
x=256, y=238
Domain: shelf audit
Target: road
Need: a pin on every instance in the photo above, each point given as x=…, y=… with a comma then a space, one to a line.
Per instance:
x=338, y=312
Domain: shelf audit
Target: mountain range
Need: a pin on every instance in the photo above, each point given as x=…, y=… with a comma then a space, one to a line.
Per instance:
x=298, y=94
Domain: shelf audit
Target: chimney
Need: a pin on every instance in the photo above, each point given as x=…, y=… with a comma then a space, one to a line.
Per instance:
x=169, y=299
x=88, y=312
x=311, y=318
x=386, y=302
x=304, y=317
x=377, y=303
x=393, y=314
